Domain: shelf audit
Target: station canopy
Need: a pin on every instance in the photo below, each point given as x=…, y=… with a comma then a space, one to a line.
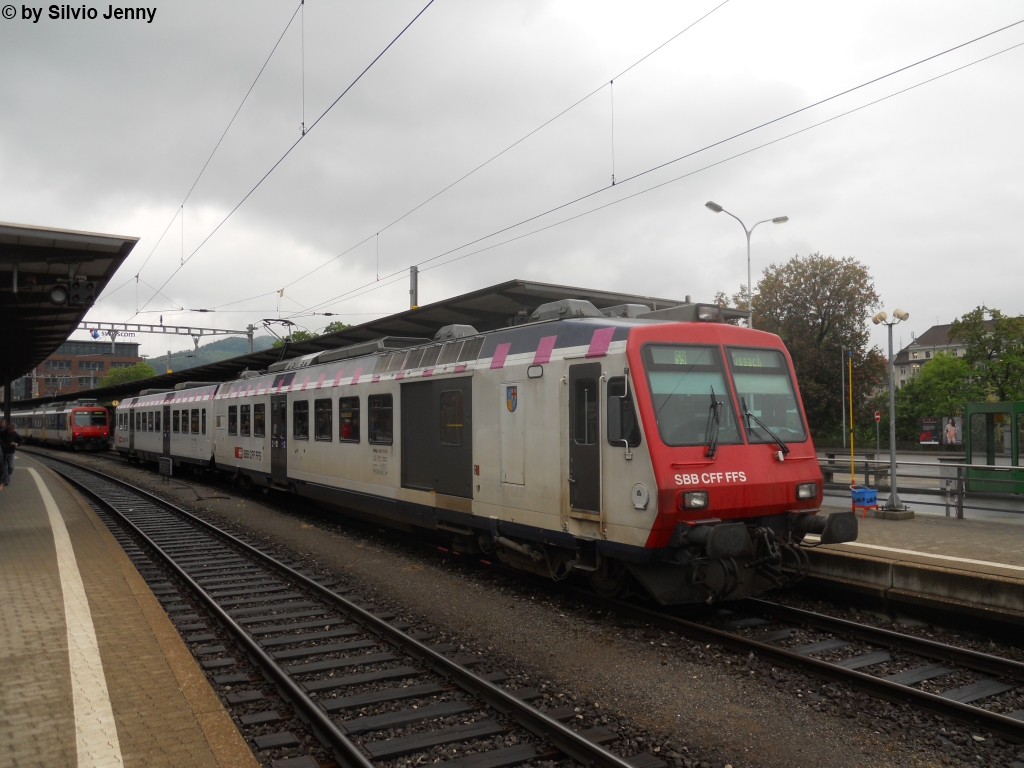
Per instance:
x=488, y=309
x=48, y=278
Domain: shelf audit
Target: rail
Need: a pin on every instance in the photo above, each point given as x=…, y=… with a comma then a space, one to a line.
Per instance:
x=187, y=544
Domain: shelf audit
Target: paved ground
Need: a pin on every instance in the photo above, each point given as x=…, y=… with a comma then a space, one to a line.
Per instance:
x=956, y=542
x=165, y=713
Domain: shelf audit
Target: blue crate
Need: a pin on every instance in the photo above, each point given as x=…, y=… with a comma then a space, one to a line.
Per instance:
x=864, y=497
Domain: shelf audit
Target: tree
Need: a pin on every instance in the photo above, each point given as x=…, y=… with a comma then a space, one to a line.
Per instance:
x=942, y=388
x=994, y=350
x=131, y=373
x=294, y=337
x=819, y=306
x=336, y=326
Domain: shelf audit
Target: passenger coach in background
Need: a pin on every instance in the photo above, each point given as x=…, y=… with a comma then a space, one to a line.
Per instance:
x=665, y=448
x=80, y=425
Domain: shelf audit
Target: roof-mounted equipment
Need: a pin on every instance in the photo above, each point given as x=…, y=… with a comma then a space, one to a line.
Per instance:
x=455, y=332
x=564, y=310
x=625, y=310
x=695, y=313
x=193, y=384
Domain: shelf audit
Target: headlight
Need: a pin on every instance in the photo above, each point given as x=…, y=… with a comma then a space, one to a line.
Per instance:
x=695, y=500
x=707, y=313
x=807, y=490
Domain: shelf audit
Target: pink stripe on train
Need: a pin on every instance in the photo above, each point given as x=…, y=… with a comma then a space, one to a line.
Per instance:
x=544, y=349
x=600, y=342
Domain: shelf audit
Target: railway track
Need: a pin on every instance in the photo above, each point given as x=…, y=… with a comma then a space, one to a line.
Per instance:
x=330, y=658
x=962, y=685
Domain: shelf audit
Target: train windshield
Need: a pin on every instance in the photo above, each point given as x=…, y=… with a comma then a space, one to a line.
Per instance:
x=765, y=389
x=91, y=418
x=690, y=396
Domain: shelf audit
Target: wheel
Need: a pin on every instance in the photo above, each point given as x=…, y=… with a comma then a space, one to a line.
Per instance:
x=611, y=579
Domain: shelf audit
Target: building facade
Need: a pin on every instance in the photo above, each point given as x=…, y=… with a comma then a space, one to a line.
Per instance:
x=76, y=366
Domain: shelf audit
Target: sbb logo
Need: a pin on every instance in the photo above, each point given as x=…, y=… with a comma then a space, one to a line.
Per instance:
x=238, y=453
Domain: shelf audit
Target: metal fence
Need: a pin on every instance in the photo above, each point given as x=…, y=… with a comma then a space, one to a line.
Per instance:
x=947, y=480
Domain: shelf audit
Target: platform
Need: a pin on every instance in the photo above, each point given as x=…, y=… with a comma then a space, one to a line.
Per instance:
x=975, y=567
x=94, y=673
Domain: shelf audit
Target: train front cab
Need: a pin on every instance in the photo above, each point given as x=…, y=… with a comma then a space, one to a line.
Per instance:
x=738, y=481
x=89, y=428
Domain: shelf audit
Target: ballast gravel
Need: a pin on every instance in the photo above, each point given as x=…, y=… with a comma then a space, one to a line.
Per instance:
x=690, y=704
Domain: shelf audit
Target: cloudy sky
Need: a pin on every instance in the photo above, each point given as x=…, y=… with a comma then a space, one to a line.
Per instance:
x=106, y=124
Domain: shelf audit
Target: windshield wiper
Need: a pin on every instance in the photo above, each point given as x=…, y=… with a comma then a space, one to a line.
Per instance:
x=778, y=440
x=714, y=420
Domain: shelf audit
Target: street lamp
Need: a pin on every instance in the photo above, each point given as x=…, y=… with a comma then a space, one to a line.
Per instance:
x=880, y=319
x=777, y=220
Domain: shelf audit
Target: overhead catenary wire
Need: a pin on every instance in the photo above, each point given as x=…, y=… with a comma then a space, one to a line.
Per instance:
x=494, y=157
x=181, y=209
x=400, y=275
x=605, y=188
x=292, y=147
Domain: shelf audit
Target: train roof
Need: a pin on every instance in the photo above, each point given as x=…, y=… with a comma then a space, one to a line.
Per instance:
x=486, y=309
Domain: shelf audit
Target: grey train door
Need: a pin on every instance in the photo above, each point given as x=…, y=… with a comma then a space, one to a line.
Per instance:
x=167, y=430
x=131, y=429
x=279, y=439
x=584, y=437
x=437, y=436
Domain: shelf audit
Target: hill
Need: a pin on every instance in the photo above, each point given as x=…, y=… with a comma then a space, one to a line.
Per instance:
x=213, y=352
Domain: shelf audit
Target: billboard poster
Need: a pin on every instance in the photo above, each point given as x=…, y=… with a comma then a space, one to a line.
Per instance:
x=929, y=431
x=952, y=430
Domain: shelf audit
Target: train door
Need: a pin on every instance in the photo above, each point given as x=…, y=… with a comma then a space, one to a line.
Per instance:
x=584, y=437
x=131, y=429
x=279, y=439
x=437, y=436
x=167, y=430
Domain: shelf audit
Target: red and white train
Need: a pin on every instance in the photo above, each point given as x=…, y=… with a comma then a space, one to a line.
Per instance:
x=80, y=425
x=666, y=448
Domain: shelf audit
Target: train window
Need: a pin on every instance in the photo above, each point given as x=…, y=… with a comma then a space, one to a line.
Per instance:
x=323, y=420
x=764, y=388
x=232, y=419
x=348, y=419
x=244, y=421
x=430, y=356
x=156, y=421
x=149, y=422
x=259, y=420
x=195, y=421
x=184, y=421
x=176, y=421
x=690, y=395
x=623, y=428
x=382, y=422
x=300, y=419
x=449, y=353
x=471, y=350
x=585, y=418
x=204, y=421
x=138, y=421
x=451, y=417
x=412, y=360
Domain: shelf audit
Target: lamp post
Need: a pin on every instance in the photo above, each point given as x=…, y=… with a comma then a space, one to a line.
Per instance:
x=750, y=288
x=881, y=318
